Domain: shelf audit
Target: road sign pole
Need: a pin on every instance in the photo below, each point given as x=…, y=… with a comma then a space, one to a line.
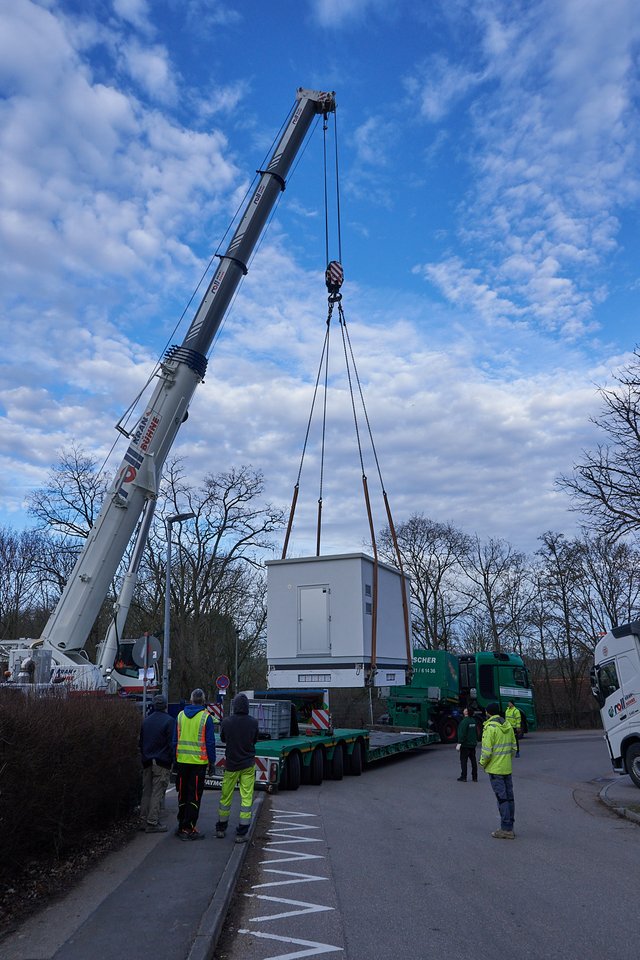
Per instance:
x=144, y=677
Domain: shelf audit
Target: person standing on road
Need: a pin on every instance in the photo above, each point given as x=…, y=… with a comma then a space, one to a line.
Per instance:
x=239, y=733
x=156, y=752
x=498, y=748
x=467, y=742
x=195, y=747
x=513, y=716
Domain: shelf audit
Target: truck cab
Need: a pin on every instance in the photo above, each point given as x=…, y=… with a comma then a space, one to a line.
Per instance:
x=498, y=677
x=615, y=683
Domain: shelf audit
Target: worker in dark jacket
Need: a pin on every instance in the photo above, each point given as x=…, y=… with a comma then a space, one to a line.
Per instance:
x=467, y=742
x=239, y=733
x=156, y=752
x=195, y=749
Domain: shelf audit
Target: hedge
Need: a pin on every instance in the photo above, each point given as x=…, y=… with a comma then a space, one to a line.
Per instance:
x=68, y=767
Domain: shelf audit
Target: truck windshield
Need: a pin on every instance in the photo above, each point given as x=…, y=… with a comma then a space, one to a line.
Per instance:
x=520, y=677
x=486, y=682
x=607, y=679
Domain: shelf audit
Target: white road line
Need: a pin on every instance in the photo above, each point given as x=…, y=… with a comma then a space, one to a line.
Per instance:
x=315, y=949
x=293, y=813
x=293, y=855
x=286, y=830
x=294, y=839
x=296, y=878
x=306, y=907
x=294, y=823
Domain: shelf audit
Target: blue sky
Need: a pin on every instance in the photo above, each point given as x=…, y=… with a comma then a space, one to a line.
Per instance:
x=489, y=185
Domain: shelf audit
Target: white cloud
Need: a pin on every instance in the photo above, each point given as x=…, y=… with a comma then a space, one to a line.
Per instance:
x=150, y=68
x=110, y=197
x=93, y=180
x=335, y=13
x=464, y=287
x=440, y=85
x=225, y=98
x=553, y=154
x=135, y=12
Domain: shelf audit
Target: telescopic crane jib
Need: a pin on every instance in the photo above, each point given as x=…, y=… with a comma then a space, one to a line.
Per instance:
x=181, y=370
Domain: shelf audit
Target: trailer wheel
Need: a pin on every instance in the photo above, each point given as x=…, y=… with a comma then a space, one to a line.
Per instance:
x=448, y=730
x=305, y=772
x=337, y=763
x=524, y=728
x=632, y=762
x=292, y=771
x=355, y=760
x=317, y=766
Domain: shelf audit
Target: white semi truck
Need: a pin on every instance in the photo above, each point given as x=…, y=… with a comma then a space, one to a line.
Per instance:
x=134, y=489
x=615, y=682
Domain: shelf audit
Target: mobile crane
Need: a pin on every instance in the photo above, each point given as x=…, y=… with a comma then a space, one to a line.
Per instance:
x=136, y=483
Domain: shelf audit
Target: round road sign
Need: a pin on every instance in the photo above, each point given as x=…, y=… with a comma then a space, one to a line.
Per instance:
x=146, y=650
x=222, y=682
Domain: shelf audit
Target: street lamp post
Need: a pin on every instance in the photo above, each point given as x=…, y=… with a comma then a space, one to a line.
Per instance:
x=176, y=518
x=237, y=632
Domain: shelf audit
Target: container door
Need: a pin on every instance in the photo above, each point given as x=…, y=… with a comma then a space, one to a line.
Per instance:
x=313, y=621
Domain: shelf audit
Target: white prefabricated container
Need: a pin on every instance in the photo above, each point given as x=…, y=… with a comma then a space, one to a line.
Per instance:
x=319, y=622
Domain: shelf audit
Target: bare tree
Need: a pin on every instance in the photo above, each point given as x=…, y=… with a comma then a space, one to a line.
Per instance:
x=70, y=502
x=430, y=555
x=606, y=485
x=20, y=598
x=560, y=579
x=495, y=576
x=217, y=599
x=66, y=509
x=609, y=589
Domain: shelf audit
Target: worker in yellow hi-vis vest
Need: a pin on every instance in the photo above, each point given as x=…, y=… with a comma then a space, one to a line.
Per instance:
x=239, y=733
x=195, y=746
x=513, y=716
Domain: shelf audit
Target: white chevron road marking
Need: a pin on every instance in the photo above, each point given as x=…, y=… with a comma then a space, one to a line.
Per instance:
x=315, y=949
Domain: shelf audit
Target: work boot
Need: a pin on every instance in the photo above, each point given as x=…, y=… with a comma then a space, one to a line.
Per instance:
x=155, y=828
x=221, y=830
x=503, y=834
x=195, y=835
x=242, y=834
x=462, y=779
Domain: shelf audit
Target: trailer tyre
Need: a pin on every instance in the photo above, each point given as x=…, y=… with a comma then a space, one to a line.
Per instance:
x=448, y=730
x=292, y=771
x=337, y=763
x=317, y=766
x=632, y=761
x=355, y=760
x=305, y=772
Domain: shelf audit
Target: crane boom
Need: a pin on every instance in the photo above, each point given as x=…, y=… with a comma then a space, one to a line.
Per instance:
x=181, y=370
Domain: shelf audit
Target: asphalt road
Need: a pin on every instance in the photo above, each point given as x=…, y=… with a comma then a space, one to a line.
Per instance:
x=401, y=863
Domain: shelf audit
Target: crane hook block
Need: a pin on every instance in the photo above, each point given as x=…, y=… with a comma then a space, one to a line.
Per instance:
x=334, y=278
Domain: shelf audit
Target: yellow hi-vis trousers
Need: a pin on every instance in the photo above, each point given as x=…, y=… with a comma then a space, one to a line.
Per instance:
x=246, y=778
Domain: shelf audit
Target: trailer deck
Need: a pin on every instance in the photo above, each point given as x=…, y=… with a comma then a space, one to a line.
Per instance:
x=286, y=762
